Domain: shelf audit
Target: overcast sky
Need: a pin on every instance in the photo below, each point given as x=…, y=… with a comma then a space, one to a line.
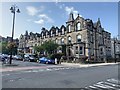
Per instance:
x=35, y=15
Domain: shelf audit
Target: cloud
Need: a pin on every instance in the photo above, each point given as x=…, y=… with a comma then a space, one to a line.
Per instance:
x=41, y=22
x=61, y=6
x=29, y=20
x=31, y=10
x=71, y=9
x=43, y=19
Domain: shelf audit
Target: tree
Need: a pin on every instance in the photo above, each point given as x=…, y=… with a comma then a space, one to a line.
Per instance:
x=12, y=47
x=8, y=47
x=38, y=49
x=50, y=47
x=3, y=46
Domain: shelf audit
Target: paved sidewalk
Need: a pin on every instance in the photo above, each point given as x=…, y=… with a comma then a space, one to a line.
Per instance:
x=76, y=65
x=86, y=65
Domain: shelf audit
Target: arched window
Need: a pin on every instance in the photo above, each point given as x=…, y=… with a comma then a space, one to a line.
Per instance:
x=69, y=28
x=69, y=39
x=62, y=41
x=78, y=26
x=79, y=38
x=51, y=33
x=62, y=30
x=56, y=31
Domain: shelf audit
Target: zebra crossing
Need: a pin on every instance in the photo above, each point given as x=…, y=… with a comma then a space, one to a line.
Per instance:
x=109, y=84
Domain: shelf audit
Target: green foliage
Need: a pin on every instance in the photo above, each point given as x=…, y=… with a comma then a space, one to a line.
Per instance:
x=48, y=46
x=57, y=55
x=38, y=48
x=8, y=47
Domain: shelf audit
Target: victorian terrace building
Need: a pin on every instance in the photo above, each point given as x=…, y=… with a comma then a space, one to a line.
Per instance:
x=80, y=37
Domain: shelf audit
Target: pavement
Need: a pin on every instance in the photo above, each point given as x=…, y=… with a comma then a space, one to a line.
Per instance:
x=86, y=65
x=20, y=65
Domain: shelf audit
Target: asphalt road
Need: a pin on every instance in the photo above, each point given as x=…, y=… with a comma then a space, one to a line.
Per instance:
x=60, y=77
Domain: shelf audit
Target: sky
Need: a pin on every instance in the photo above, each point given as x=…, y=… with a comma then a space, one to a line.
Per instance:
x=35, y=15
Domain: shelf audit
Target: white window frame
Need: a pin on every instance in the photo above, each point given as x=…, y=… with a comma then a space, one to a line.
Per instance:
x=51, y=33
x=78, y=38
x=69, y=28
x=78, y=26
x=81, y=50
x=63, y=32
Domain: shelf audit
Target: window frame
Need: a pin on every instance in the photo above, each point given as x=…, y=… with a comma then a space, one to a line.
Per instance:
x=78, y=38
x=78, y=26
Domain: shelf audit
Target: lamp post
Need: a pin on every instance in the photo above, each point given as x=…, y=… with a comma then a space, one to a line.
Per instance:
x=13, y=9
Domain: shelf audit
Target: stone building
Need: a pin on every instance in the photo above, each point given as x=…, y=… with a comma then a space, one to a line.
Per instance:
x=115, y=48
x=80, y=37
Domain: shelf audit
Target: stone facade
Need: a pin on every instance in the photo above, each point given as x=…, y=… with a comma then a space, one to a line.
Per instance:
x=115, y=48
x=80, y=37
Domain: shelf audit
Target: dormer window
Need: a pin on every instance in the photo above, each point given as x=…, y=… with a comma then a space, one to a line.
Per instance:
x=63, y=31
x=51, y=33
x=69, y=28
x=78, y=38
x=78, y=26
x=56, y=31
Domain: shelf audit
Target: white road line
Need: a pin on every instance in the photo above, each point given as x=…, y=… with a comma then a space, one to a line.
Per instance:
x=114, y=81
x=48, y=69
x=114, y=85
x=93, y=87
x=11, y=80
x=5, y=75
x=107, y=86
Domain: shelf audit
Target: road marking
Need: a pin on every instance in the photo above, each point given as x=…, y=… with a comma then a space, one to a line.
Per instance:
x=109, y=84
x=11, y=80
x=38, y=70
x=114, y=81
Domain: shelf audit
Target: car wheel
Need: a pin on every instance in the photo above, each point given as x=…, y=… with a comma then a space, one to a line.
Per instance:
x=29, y=60
x=46, y=62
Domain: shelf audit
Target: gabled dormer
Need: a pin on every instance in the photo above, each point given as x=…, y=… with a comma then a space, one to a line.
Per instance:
x=52, y=31
x=43, y=33
x=79, y=23
x=57, y=31
x=63, y=30
x=70, y=23
x=89, y=24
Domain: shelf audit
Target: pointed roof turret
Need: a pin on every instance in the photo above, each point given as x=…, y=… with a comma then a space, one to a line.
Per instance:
x=71, y=17
x=26, y=33
x=98, y=22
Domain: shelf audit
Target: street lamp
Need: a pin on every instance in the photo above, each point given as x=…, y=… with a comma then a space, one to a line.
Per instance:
x=13, y=9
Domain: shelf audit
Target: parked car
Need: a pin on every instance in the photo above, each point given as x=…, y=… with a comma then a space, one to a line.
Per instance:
x=51, y=61
x=30, y=58
x=18, y=57
x=43, y=60
x=46, y=60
